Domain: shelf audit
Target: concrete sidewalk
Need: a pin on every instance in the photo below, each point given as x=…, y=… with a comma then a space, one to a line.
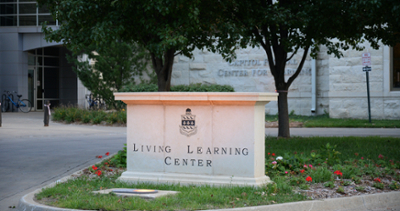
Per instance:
x=33, y=156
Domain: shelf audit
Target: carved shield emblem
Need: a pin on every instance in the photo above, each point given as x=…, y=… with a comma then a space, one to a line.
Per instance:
x=188, y=124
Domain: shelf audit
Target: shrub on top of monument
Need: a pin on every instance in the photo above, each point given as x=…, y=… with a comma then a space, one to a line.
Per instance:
x=179, y=88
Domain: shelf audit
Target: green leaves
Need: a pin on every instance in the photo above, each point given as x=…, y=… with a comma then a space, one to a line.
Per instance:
x=116, y=66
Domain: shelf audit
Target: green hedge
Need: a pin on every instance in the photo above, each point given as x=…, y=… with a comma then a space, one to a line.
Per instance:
x=179, y=88
x=74, y=114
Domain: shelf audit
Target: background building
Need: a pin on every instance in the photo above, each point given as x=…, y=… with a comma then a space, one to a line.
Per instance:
x=39, y=71
x=325, y=85
x=28, y=64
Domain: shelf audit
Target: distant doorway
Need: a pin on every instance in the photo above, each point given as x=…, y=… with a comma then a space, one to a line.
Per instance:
x=44, y=76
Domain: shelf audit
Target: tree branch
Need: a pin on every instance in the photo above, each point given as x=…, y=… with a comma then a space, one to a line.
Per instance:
x=295, y=51
x=294, y=76
x=180, y=52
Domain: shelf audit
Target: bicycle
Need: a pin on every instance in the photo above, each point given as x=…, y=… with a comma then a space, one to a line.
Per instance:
x=24, y=105
x=94, y=103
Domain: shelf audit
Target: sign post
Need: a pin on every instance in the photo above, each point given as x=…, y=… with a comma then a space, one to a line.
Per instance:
x=366, y=62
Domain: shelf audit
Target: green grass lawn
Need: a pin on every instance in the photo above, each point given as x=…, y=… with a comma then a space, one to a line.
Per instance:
x=367, y=147
x=293, y=164
x=325, y=121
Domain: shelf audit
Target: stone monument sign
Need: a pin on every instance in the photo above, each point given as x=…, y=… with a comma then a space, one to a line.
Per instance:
x=196, y=138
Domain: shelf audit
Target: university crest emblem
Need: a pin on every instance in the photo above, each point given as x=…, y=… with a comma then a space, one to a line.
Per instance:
x=188, y=126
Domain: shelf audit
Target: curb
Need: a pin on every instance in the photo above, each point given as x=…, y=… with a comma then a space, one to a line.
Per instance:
x=381, y=201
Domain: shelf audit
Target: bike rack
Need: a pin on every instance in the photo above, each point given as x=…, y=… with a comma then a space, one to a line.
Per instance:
x=3, y=99
x=12, y=105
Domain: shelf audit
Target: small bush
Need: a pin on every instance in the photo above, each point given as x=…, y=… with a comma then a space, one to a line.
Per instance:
x=179, y=88
x=329, y=184
x=112, y=118
x=360, y=188
x=121, y=117
x=379, y=185
x=297, y=181
x=119, y=160
x=86, y=117
x=321, y=174
x=349, y=171
x=59, y=114
x=340, y=190
x=304, y=187
x=73, y=114
x=394, y=185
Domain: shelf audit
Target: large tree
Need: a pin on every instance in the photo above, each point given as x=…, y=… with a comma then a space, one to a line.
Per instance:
x=164, y=28
x=282, y=27
x=115, y=66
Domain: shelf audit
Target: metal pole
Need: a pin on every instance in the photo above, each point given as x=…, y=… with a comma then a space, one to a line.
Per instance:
x=369, y=103
x=0, y=115
x=46, y=113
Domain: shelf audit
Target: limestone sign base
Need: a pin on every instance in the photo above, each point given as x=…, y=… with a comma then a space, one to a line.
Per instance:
x=196, y=138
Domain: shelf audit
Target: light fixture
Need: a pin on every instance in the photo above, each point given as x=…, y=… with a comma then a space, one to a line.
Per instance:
x=135, y=191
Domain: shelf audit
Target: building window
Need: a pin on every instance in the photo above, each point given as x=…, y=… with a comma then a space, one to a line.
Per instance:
x=24, y=13
x=396, y=67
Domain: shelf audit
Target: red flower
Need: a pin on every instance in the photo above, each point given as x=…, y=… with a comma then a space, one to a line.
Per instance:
x=106, y=163
x=269, y=153
x=309, y=179
x=98, y=173
x=377, y=179
x=99, y=156
x=107, y=153
x=302, y=171
x=380, y=156
x=273, y=154
x=337, y=172
x=94, y=167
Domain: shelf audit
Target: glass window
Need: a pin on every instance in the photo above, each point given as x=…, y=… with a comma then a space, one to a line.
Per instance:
x=44, y=9
x=40, y=60
x=49, y=61
x=27, y=20
x=27, y=8
x=8, y=21
x=51, y=82
x=396, y=66
x=7, y=9
x=31, y=59
x=48, y=18
x=51, y=51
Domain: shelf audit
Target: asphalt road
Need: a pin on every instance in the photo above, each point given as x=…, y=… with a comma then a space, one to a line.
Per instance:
x=32, y=155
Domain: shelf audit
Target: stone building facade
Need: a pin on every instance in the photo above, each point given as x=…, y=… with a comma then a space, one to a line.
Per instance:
x=325, y=85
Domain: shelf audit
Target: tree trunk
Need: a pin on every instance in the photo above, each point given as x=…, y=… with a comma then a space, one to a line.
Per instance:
x=283, y=128
x=163, y=68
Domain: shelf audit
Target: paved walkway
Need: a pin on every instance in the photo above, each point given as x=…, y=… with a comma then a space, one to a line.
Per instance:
x=32, y=156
